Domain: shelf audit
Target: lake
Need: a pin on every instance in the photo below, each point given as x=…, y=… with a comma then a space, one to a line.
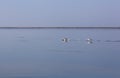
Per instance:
x=43, y=53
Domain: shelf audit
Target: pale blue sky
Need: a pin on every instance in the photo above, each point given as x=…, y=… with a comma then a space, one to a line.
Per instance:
x=59, y=12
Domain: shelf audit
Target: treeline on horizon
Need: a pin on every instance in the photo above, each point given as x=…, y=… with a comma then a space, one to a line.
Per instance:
x=59, y=27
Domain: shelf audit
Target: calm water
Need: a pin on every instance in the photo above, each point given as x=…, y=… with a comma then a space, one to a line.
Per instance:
x=27, y=53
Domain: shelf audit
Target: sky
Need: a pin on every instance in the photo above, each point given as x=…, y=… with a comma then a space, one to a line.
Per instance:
x=59, y=13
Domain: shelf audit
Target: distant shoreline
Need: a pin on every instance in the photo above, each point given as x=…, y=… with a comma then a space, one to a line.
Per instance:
x=59, y=27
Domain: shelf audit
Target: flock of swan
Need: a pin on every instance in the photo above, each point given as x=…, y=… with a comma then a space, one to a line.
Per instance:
x=88, y=40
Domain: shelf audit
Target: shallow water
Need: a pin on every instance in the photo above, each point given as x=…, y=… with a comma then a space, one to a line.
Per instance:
x=41, y=53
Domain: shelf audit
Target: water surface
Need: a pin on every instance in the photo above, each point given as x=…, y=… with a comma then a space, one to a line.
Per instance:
x=41, y=53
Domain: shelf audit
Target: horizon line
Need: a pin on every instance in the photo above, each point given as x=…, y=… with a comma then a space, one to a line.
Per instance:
x=59, y=27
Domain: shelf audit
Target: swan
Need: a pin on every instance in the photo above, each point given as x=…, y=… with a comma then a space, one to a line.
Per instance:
x=65, y=39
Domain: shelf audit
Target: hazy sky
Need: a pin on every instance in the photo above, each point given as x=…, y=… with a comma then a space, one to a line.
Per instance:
x=59, y=12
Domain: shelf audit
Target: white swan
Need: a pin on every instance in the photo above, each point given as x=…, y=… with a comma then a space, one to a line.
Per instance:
x=65, y=39
x=89, y=41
